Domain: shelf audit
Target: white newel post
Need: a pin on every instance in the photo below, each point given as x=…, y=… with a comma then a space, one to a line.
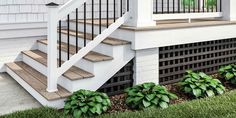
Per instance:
x=141, y=12
x=52, y=47
x=229, y=10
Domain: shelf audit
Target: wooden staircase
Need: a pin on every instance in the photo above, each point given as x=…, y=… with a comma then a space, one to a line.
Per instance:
x=89, y=73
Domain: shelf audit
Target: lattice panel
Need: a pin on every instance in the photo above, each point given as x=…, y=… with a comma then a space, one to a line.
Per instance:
x=120, y=81
x=203, y=56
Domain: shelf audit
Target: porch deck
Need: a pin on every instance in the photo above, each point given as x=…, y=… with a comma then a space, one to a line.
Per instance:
x=169, y=24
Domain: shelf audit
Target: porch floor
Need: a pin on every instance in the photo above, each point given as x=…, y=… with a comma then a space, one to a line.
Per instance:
x=169, y=24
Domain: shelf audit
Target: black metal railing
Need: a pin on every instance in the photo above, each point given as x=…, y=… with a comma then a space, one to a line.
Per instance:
x=107, y=12
x=186, y=6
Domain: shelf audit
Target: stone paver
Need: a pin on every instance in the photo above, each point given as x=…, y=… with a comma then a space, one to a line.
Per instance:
x=13, y=97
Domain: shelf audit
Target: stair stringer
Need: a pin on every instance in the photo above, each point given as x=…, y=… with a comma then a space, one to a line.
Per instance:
x=103, y=72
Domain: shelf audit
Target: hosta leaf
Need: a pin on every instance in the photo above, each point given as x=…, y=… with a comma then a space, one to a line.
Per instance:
x=146, y=103
x=203, y=87
x=93, y=109
x=187, y=89
x=197, y=92
x=193, y=86
x=165, y=98
x=98, y=108
x=139, y=94
x=105, y=108
x=163, y=105
x=229, y=76
x=136, y=99
x=203, y=75
x=149, y=97
x=84, y=109
x=148, y=85
x=210, y=93
x=219, y=91
x=77, y=114
x=196, y=76
x=228, y=67
x=172, y=96
x=98, y=99
x=155, y=101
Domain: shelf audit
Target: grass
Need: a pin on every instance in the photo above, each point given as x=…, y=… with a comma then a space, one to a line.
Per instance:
x=223, y=106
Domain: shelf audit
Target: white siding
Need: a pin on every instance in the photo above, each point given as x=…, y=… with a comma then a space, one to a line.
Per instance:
x=12, y=11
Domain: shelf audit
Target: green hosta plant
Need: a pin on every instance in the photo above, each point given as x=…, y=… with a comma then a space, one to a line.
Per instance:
x=201, y=85
x=148, y=95
x=229, y=73
x=86, y=103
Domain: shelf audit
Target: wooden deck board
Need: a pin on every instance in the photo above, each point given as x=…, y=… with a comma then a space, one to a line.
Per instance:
x=43, y=79
x=73, y=73
x=91, y=56
x=169, y=24
x=35, y=83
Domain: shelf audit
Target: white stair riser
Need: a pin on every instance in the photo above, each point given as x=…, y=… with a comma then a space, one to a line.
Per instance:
x=55, y=103
x=101, y=76
x=101, y=48
x=119, y=33
x=83, y=63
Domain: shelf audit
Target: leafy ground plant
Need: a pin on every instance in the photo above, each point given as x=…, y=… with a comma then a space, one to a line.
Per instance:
x=148, y=95
x=86, y=103
x=229, y=73
x=201, y=85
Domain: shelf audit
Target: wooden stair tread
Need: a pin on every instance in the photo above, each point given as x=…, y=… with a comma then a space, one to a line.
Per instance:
x=91, y=56
x=74, y=73
x=37, y=81
x=109, y=40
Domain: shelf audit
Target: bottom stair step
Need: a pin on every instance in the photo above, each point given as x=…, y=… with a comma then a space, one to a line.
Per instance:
x=38, y=82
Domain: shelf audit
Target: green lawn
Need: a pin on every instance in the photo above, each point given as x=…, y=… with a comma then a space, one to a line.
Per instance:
x=223, y=106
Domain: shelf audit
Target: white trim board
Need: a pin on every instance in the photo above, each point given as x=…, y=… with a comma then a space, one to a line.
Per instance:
x=186, y=16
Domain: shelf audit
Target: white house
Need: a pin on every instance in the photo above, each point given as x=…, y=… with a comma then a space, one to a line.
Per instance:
x=55, y=47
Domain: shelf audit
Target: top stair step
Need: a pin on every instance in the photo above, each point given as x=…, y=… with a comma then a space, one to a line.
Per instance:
x=108, y=41
x=37, y=81
x=91, y=56
x=74, y=73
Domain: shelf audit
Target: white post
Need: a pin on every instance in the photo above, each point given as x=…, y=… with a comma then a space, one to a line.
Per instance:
x=52, y=47
x=141, y=12
x=229, y=10
x=146, y=66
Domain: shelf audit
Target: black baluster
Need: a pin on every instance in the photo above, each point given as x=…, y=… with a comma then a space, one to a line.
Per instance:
x=84, y=24
x=178, y=6
x=173, y=6
x=156, y=6
x=107, y=13
x=121, y=8
x=68, y=37
x=199, y=5
x=77, y=31
x=114, y=11
x=127, y=5
x=168, y=6
x=203, y=6
x=60, y=43
x=220, y=5
x=92, y=19
x=100, y=16
x=162, y=6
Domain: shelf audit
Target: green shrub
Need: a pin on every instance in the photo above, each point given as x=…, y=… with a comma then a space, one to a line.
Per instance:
x=86, y=103
x=148, y=95
x=201, y=85
x=229, y=73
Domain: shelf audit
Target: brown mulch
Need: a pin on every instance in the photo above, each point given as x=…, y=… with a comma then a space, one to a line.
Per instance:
x=118, y=104
x=118, y=101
